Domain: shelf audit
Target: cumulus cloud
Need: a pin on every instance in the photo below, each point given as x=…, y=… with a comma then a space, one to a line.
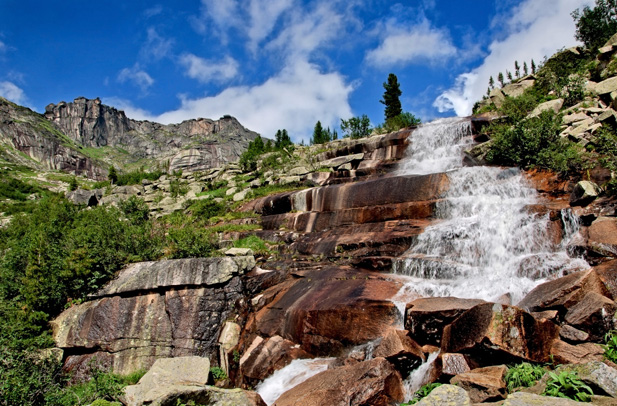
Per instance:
x=224, y=14
x=209, y=71
x=418, y=44
x=136, y=76
x=12, y=92
x=263, y=16
x=532, y=30
x=294, y=99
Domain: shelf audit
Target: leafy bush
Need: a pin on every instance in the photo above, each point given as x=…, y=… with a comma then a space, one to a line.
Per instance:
x=606, y=147
x=205, y=209
x=594, y=26
x=421, y=393
x=218, y=373
x=523, y=375
x=190, y=242
x=356, y=127
x=610, y=348
x=253, y=242
x=395, y=123
x=567, y=385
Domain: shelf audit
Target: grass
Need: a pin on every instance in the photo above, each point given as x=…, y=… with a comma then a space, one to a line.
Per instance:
x=256, y=244
x=523, y=375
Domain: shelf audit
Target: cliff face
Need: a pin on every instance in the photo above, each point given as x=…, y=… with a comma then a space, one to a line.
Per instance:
x=27, y=138
x=192, y=145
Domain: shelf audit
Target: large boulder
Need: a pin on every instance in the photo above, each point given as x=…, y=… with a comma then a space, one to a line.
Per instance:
x=483, y=384
x=401, y=351
x=266, y=356
x=594, y=314
x=563, y=293
x=329, y=309
x=554, y=105
x=600, y=377
x=565, y=353
x=153, y=310
x=492, y=333
x=584, y=193
x=602, y=236
x=529, y=399
x=373, y=382
x=425, y=318
x=446, y=395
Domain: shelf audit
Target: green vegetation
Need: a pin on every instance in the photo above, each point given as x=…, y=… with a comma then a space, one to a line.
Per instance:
x=610, y=348
x=218, y=373
x=421, y=393
x=321, y=135
x=567, y=385
x=255, y=243
x=391, y=97
x=356, y=127
x=523, y=375
x=594, y=26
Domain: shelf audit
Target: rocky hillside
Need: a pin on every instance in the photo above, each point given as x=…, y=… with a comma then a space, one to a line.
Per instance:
x=85, y=137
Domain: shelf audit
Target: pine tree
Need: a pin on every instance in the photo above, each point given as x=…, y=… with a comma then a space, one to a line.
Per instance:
x=533, y=67
x=525, y=71
x=500, y=78
x=517, y=69
x=318, y=134
x=509, y=75
x=391, y=97
x=491, y=83
x=113, y=175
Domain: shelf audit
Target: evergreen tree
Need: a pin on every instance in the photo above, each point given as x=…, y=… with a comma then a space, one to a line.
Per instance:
x=391, y=97
x=334, y=135
x=318, y=134
x=282, y=139
x=113, y=175
x=491, y=83
x=533, y=67
x=594, y=26
x=500, y=78
x=517, y=69
x=525, y=71
x=509, y=74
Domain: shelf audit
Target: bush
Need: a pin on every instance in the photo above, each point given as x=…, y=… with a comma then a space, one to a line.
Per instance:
x=523, y=375
x=610, y=348
x=206, y=209
x=218, y=373
x=594, y=26
x=255, y=243
x=567, y=385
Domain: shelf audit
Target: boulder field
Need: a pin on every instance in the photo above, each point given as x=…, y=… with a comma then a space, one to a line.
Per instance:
x=329, y=293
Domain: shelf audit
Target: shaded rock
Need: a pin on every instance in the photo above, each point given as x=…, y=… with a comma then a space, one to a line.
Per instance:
x=584, y=193
x=329, y=309
x=453, y=364
x=600, y=377
x=298, y=171
x=518, y=88
x=564, y=353
x=446, y=395
x=341, y=160
x=167, y=375
x=230, y=335
x=602, y=235
x=401, y=351
x=269, y=355
x=498, y=333
x=497, y=97
x=483, y=384
x=563, y=292
x=572, y=335
x=426, y=318
x=571, y=118
x=554, y=105
x=373, y=382
x=594, y=314
x=147, y=276
x=607, y=271
x=606, y=86
x=529, y=399
x=84, y=197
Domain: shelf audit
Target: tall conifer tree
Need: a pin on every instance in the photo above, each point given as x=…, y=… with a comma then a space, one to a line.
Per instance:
x=391, y=97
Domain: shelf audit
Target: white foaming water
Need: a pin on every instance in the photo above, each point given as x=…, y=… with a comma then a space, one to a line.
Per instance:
x=298, y=371
x=419, y=376
x=487, y=242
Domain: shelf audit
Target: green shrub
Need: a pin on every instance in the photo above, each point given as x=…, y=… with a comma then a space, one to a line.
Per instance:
x=218, y=373
x=206, y=209
x=255, y=243
x=523, y=375
x=567, y=385
x=190, y=242
x=421, y=393
x=610, y=348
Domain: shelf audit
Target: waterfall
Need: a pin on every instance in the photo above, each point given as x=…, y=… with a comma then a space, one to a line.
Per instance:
x=485, y=242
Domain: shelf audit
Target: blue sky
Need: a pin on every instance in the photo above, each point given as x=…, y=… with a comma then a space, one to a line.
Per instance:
x=271, y=63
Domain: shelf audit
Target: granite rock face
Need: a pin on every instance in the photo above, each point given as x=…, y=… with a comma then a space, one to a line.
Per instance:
x=153, y=310
x=93, y=124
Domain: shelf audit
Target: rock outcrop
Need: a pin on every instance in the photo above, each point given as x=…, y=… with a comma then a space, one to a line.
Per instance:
x=153, y=310
x=193, y=145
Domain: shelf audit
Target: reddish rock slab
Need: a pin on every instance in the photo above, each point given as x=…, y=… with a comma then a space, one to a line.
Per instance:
x=401, y=351
x=602, y=236
x=607, y=271
x=268, y=356
x=426, y=318
x=594, y=314
x=564, y=353
x=326, y=310
x=572, y=335
x=483, y=384
x=453, y=364
x=563, y=292
x=494, y=333
x=373, y=382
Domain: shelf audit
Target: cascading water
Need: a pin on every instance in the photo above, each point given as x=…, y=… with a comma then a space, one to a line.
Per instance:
x=486, y=242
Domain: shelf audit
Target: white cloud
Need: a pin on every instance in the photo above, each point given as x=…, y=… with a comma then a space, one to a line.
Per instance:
x=209, y=71
x=12, y=92
x=137, y=76
x=153, y=11
x=156, y=47
x=224, y=14
x=3, y=47
x=416, y=44
x=129, y=108
x=293, y=99
x=264, y=15
x=534, y=29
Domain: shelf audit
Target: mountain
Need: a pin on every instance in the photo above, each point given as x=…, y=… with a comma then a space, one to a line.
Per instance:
x=86, y=137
